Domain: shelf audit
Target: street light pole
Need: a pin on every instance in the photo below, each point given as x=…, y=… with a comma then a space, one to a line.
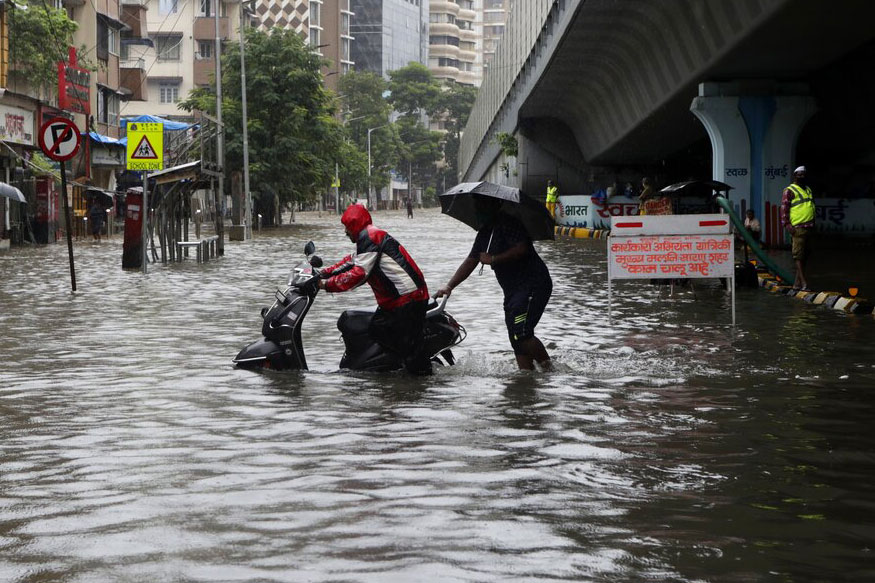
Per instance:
x=369, y=159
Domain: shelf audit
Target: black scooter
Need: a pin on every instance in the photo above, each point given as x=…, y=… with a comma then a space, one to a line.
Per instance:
x=282, y=349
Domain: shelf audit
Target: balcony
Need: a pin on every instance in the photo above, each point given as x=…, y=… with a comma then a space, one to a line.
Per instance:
x=132, y=76
x=134, y=16
x=204, y=71
x=205, y=28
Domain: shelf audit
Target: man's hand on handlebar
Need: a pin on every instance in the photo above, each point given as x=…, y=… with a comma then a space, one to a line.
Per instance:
x=444, y=291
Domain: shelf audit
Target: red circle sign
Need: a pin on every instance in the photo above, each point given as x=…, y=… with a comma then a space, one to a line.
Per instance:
x=59, y=139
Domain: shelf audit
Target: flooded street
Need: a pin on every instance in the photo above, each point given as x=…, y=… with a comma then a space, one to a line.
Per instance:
x=665, y=447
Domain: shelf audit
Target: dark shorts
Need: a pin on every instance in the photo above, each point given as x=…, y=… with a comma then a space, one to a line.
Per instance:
x=799, y=239
x=522, y=312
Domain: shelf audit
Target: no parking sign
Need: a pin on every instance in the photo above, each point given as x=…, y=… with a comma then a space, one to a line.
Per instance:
x=59, y=139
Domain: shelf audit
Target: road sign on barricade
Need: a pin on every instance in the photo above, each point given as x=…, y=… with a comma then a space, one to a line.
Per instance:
x=671, y=247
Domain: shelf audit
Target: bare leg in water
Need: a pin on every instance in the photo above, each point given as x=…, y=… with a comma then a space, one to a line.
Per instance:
x=532, y=351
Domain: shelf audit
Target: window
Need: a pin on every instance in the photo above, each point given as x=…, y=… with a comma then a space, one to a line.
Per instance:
x=102, y=39
x=107, y=106
x=205, y=49
x=112, y=40
x=315, y=14
x=315, y=37
x=167, y=47
x=167, y=6
x=168, y=91
x=112, y=107
x=205, y=8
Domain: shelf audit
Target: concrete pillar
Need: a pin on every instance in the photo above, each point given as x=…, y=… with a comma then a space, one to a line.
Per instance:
x=753, y=140
x=730, y=143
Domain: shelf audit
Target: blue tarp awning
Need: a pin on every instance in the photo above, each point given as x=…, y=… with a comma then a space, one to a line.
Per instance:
x=169, y=125
x=101, y=139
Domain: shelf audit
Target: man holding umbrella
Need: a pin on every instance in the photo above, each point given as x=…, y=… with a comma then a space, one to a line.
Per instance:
x=504, y=243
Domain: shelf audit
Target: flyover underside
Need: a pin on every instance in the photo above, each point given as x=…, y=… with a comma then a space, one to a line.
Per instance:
x=626, y=71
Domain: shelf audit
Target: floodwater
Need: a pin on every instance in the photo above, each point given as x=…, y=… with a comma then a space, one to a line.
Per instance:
x=665, y=447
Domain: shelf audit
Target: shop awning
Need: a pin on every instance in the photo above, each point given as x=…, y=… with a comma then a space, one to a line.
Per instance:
x=10, y=191
x=106, y=140
x=169, y=125
x=189, y=171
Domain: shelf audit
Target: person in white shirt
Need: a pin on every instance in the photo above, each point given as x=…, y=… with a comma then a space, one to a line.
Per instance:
x=752, y=224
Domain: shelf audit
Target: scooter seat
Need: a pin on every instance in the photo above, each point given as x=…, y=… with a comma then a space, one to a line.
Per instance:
x=356, y=320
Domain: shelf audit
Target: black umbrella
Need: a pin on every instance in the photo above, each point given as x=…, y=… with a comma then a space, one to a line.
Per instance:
x=459, y=203
x=696, y=188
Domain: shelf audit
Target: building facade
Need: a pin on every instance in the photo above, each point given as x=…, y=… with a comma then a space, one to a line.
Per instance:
x=492, y=25
x=389, y=34
x=181, y=55
x=454, y=41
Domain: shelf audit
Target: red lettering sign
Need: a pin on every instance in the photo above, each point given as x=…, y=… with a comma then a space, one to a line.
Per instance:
x=74, y=86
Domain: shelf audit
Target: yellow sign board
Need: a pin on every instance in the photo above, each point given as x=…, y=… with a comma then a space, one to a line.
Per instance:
x=145, y=146
x=336, y=182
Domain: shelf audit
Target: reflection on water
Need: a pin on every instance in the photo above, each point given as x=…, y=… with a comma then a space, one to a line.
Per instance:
x=665, y=447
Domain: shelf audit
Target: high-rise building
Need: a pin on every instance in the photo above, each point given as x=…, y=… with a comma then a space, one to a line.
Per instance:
x=324, y=24
x=389, y=34
x=495, y=13
x=453, y=41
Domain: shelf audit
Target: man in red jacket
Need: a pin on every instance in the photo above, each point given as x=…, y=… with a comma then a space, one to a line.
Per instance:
x=396, y=281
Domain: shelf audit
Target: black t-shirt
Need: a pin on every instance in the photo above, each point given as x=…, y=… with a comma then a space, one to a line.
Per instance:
x=528, y=272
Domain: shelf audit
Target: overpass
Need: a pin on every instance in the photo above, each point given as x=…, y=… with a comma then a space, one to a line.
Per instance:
x=603, y=92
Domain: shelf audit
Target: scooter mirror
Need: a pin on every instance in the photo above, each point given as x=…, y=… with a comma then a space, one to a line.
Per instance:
x=316, y=261
x=309, y=248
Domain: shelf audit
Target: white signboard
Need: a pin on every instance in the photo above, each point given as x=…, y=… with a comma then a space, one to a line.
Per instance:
x=671, y=247
x=670, y=256
x=16, y=125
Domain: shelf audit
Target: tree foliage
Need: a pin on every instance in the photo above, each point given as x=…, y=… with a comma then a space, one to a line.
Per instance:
x=38, y=38
x=294, y=137
x=365, y=107
x=413, y=89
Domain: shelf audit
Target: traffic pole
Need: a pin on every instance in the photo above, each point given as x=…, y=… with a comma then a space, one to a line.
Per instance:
x=145, y=212
x=69, y=224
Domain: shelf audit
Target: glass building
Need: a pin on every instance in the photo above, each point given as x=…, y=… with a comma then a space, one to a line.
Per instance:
x=389, y=34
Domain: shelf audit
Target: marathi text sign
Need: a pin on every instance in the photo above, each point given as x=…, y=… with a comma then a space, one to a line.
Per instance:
x=671, y=256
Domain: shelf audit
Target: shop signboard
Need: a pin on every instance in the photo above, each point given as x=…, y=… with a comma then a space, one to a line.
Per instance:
x=16, y=125
x=74, y=85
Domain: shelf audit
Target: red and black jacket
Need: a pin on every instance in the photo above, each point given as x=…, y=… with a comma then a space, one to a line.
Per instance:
x=380, y=261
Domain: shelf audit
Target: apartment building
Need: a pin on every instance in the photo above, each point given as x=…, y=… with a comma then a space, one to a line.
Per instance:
x=174, y=51
x=494, y=20
x=454, y=41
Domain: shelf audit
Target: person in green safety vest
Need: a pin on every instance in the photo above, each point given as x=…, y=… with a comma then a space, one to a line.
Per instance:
x=797, y=217
x=552, y=197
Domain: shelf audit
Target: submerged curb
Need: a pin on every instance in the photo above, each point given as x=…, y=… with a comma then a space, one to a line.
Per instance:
x=830, y=299
x=581, y=232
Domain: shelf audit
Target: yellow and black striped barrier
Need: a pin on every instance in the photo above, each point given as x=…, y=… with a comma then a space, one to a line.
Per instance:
x=581, y=232
x=830, y=299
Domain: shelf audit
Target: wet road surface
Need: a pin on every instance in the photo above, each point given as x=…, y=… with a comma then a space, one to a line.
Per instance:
x=665, y=447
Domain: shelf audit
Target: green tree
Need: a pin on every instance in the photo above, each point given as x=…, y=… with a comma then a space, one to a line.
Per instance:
x=419, y=151
x=365, y=107
x=38, y=38
x=294, y=137
x=413, y=90
x=454, y=107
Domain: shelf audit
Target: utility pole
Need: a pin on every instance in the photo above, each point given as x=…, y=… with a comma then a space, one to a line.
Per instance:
x=247, y=230
x=220, y=137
